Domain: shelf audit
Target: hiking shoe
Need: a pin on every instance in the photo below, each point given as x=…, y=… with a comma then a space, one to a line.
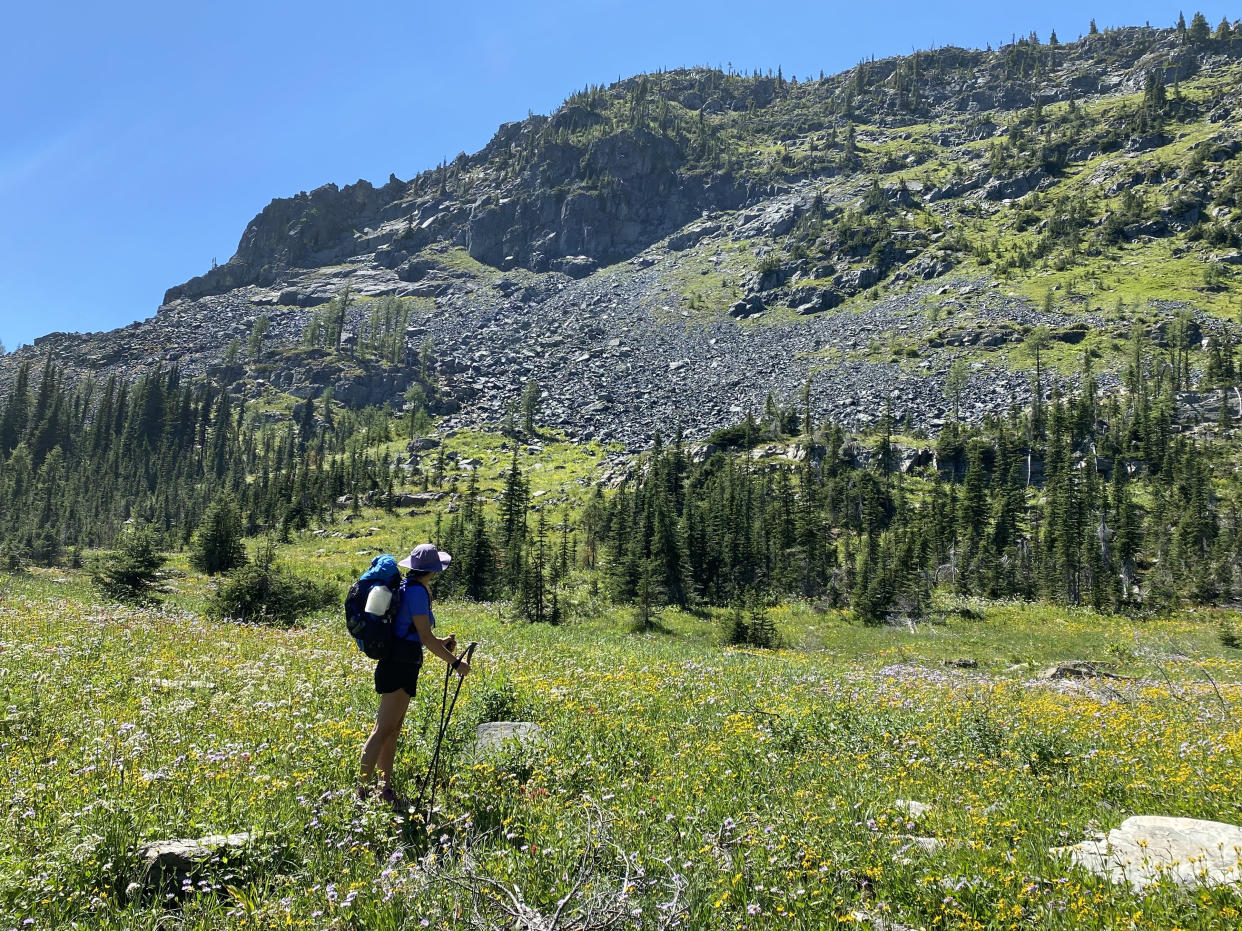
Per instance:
x=398, y=803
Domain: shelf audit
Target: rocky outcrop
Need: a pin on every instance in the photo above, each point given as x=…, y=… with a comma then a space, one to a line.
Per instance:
x=642, y=200
x=294, y=232
x=581, y=207
x=1017, y=186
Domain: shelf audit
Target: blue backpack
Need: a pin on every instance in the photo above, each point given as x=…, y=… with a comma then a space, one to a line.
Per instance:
x=374, y=632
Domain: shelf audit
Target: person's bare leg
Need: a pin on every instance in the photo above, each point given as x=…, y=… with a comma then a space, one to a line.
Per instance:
x=381, y=747
x=387, y=759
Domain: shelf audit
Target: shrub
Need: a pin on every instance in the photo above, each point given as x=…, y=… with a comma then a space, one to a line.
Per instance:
x=1215, y=278
x=748, y=624
x=10, y=557
x=44, y=547
x=741, y=436
x=1045, y=754
x=646, y=616
x=131, y=572
x=768, y=264
x=267, y=593
x=499, y=702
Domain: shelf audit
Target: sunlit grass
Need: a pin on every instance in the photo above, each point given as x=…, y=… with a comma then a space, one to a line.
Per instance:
x=762, y=784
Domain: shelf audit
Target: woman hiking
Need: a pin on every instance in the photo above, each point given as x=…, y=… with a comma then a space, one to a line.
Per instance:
x=396, y=676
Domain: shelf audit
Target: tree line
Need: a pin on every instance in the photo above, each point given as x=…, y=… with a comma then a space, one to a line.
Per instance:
x=78, y=463
x=1077, y=498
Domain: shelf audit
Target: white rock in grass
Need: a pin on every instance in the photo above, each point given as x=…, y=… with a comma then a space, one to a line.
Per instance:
x=1147, y=849
x=494, y=734
x=875, y=921
x=911, y=808
x=925, y=844
x=188, y=685
x=185, y=853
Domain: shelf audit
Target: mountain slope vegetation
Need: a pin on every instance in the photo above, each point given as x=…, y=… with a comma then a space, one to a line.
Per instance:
x=959, y=287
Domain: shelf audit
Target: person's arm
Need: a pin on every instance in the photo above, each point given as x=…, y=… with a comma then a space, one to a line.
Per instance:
x=441, y=648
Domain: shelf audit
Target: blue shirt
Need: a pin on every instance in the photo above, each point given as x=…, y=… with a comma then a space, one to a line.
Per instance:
x=414, y=600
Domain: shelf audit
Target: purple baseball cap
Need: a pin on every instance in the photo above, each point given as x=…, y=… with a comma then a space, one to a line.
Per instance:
x=426, y=558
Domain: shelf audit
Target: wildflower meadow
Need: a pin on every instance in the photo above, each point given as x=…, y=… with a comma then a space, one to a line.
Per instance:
x=880, y=777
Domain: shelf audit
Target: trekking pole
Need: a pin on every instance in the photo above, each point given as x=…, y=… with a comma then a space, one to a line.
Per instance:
x=446, y=713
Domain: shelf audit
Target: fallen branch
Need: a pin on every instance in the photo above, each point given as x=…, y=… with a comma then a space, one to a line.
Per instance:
x=611, y=907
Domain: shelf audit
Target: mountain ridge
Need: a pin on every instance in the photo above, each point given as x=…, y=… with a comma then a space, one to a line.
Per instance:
x=262, y=252
x=862, y=232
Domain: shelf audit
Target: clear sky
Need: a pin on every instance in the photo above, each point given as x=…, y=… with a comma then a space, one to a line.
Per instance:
x=137, y=139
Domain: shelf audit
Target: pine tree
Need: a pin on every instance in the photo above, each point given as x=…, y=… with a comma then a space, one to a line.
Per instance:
x=514, y=503
x=594, y=516
x=258, y=330
x=1199, y=31
x=217, y=543
x=480, y=567
x=534, y=596
x=646, y=597
x=16, y=411
x=666, y=547
x=530, y=405
x=955, y=385
x=131, y=572
x=972, y=518
x=1035, y=345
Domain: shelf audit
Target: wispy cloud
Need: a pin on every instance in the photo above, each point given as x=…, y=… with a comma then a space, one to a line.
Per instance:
x=72, y=149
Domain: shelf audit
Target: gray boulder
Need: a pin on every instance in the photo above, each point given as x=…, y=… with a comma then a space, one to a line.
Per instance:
x=691, y=236
x=824, y=299
x=928, y=266
x=771, y=278
x=184, y=854
x=1077, y=670
x=856, y=279
x=575, y=266
x=1147, y=849
x=1017, y=186
x=493, y=735
x=413, y=269
x=749, y=306
x=174, y=867
x=1152, y=228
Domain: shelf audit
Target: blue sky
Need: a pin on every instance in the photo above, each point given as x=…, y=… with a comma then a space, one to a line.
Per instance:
x=137, y=139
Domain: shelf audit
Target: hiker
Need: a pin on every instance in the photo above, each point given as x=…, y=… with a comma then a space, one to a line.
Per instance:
x=396, y=676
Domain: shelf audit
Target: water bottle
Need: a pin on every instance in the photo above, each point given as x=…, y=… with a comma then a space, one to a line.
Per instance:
x=378, y=600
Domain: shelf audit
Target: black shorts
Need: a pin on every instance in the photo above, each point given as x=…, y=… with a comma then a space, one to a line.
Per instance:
x=392, y=674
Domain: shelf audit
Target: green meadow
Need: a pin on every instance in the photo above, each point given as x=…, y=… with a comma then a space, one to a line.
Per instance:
x=675, y=782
